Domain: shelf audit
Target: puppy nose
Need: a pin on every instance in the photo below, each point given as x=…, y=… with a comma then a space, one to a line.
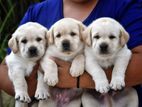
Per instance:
x=66, y=45
x=32, y=51
x=103, y=47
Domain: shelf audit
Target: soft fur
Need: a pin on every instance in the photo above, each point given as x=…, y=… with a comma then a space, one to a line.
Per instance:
x=65, y=42
x=106, y=47
x=28, y=44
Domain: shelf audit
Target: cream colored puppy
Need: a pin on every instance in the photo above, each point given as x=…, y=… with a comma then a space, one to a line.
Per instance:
x=65, y=42
x=106, y=46
x=106, y=41
x=28, y=44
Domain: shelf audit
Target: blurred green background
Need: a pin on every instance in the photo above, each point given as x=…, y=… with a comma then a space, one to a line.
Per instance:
x=11, y=12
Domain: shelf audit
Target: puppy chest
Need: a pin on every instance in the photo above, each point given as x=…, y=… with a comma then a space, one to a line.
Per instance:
x=106, y=63
x=29, y=69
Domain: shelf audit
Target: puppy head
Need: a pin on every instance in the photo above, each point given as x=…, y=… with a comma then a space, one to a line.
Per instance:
x=106, y=36
x=66, y=35
x=29, y=40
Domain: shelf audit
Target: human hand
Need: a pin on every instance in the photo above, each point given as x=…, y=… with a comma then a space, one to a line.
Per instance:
x=65, y=79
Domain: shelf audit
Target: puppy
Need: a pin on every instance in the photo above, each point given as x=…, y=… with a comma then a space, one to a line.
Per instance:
x=106, y=47
x=28, y=44
x=65, y=42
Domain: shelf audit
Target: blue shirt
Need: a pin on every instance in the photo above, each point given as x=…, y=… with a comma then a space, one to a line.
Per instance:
x=127, y=12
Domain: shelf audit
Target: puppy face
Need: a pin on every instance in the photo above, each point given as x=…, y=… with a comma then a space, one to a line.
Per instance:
x=105, y=36
x=66, y=35
x=29, y=40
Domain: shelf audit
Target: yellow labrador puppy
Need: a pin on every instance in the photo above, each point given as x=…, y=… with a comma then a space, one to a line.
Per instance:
x=28, y=44
x=106, y=46
x=65, y=42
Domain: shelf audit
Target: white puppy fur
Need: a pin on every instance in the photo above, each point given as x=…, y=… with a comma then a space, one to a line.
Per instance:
x=106, y=46
x=127, y=98
x=28, y=44
x=65, y=42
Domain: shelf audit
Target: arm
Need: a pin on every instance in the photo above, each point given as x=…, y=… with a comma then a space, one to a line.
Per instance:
x=133, y=73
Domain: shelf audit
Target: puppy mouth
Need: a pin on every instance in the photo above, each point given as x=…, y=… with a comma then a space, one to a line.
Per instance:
x=104, y=52
x=105, y=55
x=67, y=51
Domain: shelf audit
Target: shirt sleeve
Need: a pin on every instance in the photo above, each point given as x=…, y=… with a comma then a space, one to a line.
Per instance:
x=130, y=16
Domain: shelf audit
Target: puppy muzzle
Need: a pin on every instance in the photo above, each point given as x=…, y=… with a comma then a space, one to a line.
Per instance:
x=66, y=45
x=32, y=51
x=103, y=48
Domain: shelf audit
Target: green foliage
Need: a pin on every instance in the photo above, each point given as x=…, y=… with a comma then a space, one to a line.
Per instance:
x=11, y=12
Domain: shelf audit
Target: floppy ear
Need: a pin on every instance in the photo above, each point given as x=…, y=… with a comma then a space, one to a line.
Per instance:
x=45, y=31
x=87, y=36
x=46, y=37
x=82, y=27
x=12, y=43
x=50, y=36
x=124, y=36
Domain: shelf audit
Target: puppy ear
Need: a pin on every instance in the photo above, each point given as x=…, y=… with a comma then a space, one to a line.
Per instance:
x=51, y=36
x=124, y=36
x=82, y=27
x=87, y=36
x=12, y=43
x=46, y=37
x=45, y=32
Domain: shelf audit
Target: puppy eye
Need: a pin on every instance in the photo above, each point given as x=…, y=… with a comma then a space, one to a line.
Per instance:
x=97, y=37
x=38, y=39
x=24, y=41
x=72, y=33
x=112, y=37
x=58, y=35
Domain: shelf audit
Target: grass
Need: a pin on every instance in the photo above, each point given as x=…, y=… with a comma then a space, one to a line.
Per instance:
x=7, y=101
x=11, y=12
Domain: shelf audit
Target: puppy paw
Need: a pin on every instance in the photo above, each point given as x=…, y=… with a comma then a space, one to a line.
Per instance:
x=22, y=96
x=42, y=94
x=102, y=86
x=117, y=83
x=51, y=80
x=77, y=67
x=75, y=72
